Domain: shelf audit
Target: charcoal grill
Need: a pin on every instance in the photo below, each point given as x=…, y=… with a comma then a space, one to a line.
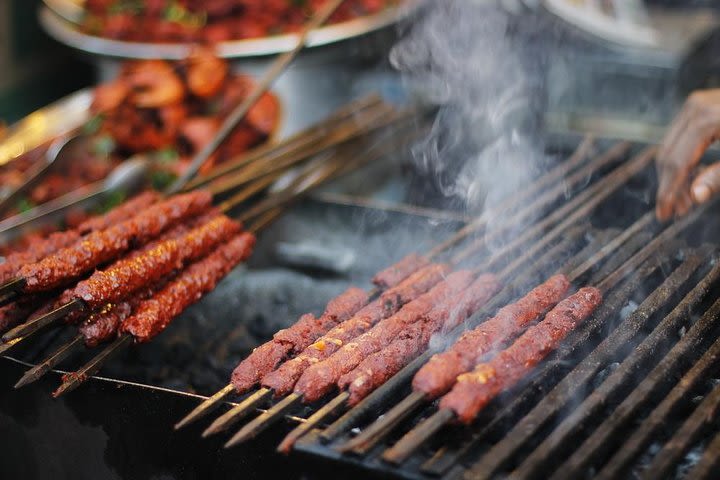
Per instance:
x=596, y=392
x=629, y=393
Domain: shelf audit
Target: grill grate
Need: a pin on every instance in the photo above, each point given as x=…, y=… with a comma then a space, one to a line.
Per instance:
x=601, y=405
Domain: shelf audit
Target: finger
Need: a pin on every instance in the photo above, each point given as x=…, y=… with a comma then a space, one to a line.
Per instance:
x=675, y=169
x=706, y=184
x=683, y=203
x=668, y=167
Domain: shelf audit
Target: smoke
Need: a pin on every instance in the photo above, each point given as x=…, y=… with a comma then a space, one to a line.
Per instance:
x=479, y=63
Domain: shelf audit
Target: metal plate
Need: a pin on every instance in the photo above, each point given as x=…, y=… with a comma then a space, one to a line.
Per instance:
x=68, y=33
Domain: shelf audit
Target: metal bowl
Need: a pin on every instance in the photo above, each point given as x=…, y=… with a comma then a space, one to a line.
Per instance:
x=343, y=61
x=60, y=19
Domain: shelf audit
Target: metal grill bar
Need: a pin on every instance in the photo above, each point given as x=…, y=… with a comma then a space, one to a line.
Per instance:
x=582, y=204
x=599, y=444
x=617, y=384
x=501, y=454
x=704, y=416
x=709, y=464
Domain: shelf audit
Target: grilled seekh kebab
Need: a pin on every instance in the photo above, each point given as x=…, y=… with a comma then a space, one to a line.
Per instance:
x=152, y=315
x=515, y=201
x=321, y=378
x=308, y=179
x=100, y=246
x=313, y=340
x=296, y=338
x=353, y=352
x=475, y=389
x=362, y=380
x=530, y=348
x=389, y=302
x=139, y=270
x=228, y=204
x=78, y=315
x=59, y=240
x=379, y=367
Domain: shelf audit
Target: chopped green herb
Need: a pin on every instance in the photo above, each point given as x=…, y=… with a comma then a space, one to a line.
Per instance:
x=175, y=12
x=93, y=125
x=126, y=6
x=111, y=200
x=167, y=156
x=103, y=145
x=161, y=179
x=24, y=204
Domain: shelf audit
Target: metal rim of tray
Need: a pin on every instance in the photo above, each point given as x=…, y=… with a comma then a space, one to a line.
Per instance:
x=67, y=32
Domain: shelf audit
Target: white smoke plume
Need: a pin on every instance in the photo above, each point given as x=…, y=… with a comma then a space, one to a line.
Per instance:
x=478, y=62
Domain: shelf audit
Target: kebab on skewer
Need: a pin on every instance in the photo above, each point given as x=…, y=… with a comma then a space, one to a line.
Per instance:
x=251, y=401
x=300, y=181
x=529, y=349
x=392, y=274
x=59, y=240
x=339, y=356
x=380, y=366
x=611, y=183
x=322, y=342
x=475, y=389
x=152, y=315
x=50, y=266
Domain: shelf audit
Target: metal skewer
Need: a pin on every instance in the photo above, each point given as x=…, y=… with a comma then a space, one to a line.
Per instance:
x=29, y=328
x=412, y=440
x=33, y=326
x=278, y=66
x=303, y=184
x=75, y=379
x=554, y=174
x=237, y=413
x=42, y=368
x=296, y=142
x=265, y=420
